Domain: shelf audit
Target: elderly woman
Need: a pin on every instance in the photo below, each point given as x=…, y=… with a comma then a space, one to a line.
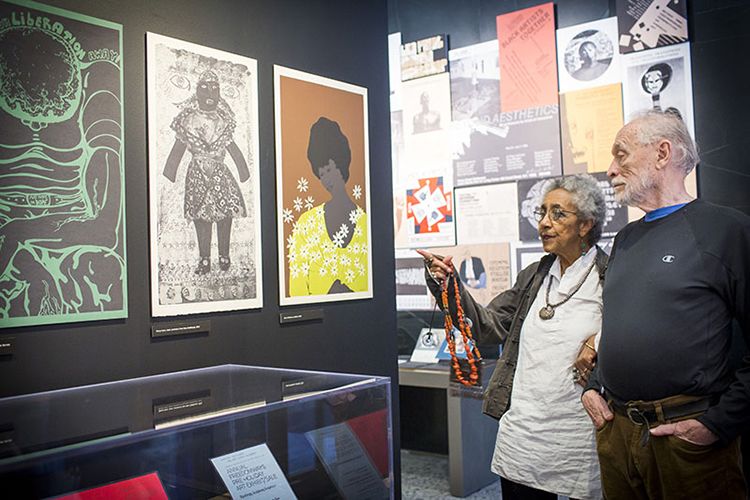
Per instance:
x=548, y=323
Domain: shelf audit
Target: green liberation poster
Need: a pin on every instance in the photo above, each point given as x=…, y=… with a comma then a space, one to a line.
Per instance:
x=62, y=200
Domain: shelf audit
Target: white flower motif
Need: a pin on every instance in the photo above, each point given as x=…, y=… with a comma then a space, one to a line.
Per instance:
x=353, y=216
x=349, y=276
x=294, y=271
x=309, y=202
x=305, y=268
x=357, y=232
x=338, y=240
x=334, y=270
x=357, y=191
x=302, y=185
x=363, y=248
x=290, y=241
x=344, y=230
x=323, y=271
x=345, y=261
x=298, y=204
x=291, y=257
x=287, y=215
x=304, y=252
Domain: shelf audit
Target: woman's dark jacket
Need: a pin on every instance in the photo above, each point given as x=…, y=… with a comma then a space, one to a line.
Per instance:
x=501, y=321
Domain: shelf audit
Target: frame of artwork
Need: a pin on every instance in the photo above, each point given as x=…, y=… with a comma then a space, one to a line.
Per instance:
x=323, y=189
x=205, y=221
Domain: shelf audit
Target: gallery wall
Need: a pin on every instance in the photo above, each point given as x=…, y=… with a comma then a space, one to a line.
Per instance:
x=717, y=32
x=342, y=40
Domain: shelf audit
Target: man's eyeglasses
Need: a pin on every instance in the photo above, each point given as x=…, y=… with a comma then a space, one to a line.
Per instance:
x=555, y=213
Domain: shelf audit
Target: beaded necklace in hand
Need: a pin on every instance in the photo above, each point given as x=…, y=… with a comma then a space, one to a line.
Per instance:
x=472, y=353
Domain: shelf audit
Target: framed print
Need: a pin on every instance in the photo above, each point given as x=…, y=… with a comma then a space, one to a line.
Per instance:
x=322, y=189
x=62, y=181
x=203, y=179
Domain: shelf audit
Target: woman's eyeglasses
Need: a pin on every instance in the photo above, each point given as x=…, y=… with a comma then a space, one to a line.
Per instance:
x=555, y=213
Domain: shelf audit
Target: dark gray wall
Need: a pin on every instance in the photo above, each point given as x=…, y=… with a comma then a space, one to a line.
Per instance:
x=342, y=40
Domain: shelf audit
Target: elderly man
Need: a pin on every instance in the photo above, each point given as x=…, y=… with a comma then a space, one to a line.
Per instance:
x=667, y=408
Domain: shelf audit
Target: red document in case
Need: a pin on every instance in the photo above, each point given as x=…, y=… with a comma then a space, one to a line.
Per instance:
x=137, y=488
x=372, y=432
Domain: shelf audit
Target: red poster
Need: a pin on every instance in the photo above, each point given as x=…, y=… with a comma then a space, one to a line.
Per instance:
x=137, y=488
x=528, y=62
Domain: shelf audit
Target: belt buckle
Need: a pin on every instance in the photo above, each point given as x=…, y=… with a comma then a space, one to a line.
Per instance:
x=631, y=412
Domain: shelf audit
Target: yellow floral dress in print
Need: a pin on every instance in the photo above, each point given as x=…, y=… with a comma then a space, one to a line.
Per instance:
x=316, y=261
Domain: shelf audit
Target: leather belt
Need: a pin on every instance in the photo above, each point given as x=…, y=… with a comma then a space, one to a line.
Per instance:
x=646, y=413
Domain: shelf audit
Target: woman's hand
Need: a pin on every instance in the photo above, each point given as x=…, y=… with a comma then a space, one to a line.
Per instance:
x=439, y=267
x=585, y=361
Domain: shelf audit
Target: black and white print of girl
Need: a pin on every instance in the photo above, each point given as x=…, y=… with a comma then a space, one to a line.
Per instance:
x=205, y=127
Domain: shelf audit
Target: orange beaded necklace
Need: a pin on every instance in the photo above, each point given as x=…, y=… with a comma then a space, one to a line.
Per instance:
x=472, y=353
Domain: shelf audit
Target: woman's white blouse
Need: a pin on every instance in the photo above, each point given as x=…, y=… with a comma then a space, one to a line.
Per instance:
x=546, y=440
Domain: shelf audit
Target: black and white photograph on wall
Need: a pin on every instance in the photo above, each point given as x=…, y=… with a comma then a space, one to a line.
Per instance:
x=411, y=290
x=524, y=145
x=426, y=121
x=647, y=24
x=616, y=216
x=62, y=181
x=522, y=255
x=424, y=57
x=475, y=83
x=659, y=79
x=531, y=193
x=426, y=108
x=203, y=179
x=587, y=55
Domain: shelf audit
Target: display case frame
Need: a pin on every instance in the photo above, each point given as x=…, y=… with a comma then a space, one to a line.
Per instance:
x=330, y=434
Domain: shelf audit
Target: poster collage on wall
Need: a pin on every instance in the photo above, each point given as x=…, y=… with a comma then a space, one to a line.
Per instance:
x=532, y=104
x=62, y=200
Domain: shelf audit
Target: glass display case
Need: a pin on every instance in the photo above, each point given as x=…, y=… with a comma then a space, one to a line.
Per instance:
x=230, y=430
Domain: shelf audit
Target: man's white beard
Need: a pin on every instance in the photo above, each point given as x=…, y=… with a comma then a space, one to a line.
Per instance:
x=636, y=189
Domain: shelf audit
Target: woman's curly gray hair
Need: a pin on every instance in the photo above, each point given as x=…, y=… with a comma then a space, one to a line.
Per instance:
x=588, y=199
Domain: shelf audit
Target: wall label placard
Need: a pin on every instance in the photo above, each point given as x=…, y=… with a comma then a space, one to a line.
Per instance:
x=7, y=346
x=198, y=403
x=303, y=315
x=176, y=328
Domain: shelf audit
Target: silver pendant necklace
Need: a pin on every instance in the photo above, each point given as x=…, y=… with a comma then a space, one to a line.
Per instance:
x=548, y=311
